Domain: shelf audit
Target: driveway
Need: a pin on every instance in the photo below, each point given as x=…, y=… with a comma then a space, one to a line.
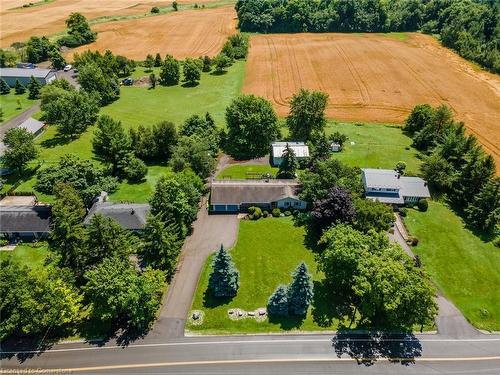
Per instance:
x=209, y=232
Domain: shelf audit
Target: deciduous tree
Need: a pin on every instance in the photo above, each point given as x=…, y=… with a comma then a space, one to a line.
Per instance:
x=170, y=71
x=20, y=148
x=307, y=114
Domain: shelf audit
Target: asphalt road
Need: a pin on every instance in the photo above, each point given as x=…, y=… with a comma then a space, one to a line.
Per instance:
x=304, y=354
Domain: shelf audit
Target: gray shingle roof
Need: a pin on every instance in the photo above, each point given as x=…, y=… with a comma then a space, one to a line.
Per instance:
x=24, y=219
x=414, y=187
x=31, y=125
x=252, y=191
x=129, y=216
x=24, y=73
x=380, y=178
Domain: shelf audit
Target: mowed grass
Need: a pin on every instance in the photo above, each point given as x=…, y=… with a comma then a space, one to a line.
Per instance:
x=375, y=146
x=11, y=107
x=266, y=253
x=242, y=172
x=465, y=268
x=27, y=255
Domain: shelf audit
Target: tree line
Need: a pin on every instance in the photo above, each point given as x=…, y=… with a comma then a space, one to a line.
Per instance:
x=470, y=27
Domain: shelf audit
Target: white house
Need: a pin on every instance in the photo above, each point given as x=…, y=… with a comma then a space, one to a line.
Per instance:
x=238, y=195
x=300, y=149
x=388, y=186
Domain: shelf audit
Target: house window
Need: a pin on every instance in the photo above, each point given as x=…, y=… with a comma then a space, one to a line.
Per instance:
x=296, y=203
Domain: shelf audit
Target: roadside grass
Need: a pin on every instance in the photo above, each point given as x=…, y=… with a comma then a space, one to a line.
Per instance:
x=11, y=107
x=464, y=267
x=26, y=255
x=239, y=172
x=266, y=253
x=375, y=146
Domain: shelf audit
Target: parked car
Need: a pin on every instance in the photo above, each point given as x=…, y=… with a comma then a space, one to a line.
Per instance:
x=128, y=81
x=68, y=67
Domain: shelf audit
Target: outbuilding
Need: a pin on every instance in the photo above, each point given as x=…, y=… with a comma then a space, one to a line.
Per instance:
x=300, y=149
x=11, y=75
x=33, y=126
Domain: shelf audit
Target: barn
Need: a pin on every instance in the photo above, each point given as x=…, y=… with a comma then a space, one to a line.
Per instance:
x=11, y=75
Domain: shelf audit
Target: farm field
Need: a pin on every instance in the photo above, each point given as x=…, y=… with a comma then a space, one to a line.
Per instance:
x=190, y=33
x=18, y=23
x=375, y=78
x=462, y=266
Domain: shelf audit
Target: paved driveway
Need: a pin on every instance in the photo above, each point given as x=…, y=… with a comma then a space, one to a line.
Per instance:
x=209, y=231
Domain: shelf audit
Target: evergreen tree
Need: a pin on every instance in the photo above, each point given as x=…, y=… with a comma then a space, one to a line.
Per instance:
x=19, y=88
x=158, y=60
x=224, y=280
x=170, y=71
x=34, y=88
x=288, y=164
x=207, y=64
x=4, y=87
x=149, y=62
x=300, y=291
x=484, y=211
x=278, y=302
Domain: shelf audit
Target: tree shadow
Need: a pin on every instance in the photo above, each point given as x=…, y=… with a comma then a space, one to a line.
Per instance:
x=24, y=348
x=211, y=301
x=57, y=140
x=328, y=306
x=190, y=84
x=367, y=348
x=218, y=73
x=287, y=323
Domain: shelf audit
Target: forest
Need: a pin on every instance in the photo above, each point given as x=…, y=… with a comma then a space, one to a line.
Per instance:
x=470, y=27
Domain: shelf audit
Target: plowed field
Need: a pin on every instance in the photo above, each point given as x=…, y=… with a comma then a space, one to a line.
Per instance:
x=190, y=33
x=375, y=78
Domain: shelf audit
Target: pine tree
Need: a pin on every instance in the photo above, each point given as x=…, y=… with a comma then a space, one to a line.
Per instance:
x=300, y=291
x=18, y=88
x=278, y=302
x=158, y=60
x=484, y=211
x=34, y=88
x=224, y=280
x=4, y=87
x=288, y=164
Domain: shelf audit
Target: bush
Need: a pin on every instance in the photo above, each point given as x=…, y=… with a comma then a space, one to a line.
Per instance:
x=403, y=211
x=496, y=241
x=276, y=212
x=135, y=170
x=288, y=213
x=423, y=205
x=265, y=214
x=255, y=213
x=295, y=213
x=155, y=10
x=4, y=242
x=413, y=241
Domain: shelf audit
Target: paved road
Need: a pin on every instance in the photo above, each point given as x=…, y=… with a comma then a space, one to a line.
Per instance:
x=305, y=354
x=209, y=232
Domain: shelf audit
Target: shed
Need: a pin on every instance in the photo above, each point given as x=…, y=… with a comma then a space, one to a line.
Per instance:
x=300, y=149
x=33, y=126
x=11, y=75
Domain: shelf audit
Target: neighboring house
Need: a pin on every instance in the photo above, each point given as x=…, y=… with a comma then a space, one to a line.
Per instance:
x=131, y=216
x=10, y=75
x=230, y=196
x=33, y=126
x=300, y=149
x=27, y=222
x=388, y=186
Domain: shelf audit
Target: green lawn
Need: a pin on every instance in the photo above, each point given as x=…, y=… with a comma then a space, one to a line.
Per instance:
x=465, y=268
x=237, y=172
x=266, y=253
x=375, y=146
x=11, y=107
x=25, y=254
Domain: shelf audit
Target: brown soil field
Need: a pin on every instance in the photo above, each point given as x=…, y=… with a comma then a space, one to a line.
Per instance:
x=19, y=24
x=375, y=78
x=190, y=33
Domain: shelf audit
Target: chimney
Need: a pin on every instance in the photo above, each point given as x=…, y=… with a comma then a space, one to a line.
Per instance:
x=132, y=211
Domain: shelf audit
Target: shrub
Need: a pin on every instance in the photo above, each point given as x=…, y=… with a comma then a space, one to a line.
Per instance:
x=295, y=213
x=403, y=211
x=276, y=212
x=496, y=241
x=4, y=242
x=423, y=205
x=413, y=241
x=288, y=213
x=265, y=214
x=278, y=302
x=155, y=10
x=255, y=213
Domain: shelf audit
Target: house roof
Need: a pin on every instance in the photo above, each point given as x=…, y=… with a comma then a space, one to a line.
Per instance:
x=414, y=187
x=128, y=215
x=300, y=149
x=380, y=178
x=389, y=179
x=31, y=125
x=25, y=219
x=24, y=73
x=252, y=191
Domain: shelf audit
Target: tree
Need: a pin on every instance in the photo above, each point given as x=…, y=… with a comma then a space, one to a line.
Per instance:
x=484, y=211
x=155, y=10
x=337, y=137
x=337, y=207
x=34, y=301
x=170, y=71
x=20, y=148
x=38, y=49
x=4, y=87
x=154, y=143
x=158, y=61
x=149, y=62
x=400, y=167
x=34, y=88
x=7, y=58
x=207, y=64
x=193, y=153
x=68, y=234
x=288, y=164
x=57, y=60
x=110, y=142
x=423, y=205
x=117, y=293
x=161, y=245
x=79, y=31
x=224, y=279
x=152, y=80
x=320, y=146
x=175, y=6
x=132, y=168
x=221, y=62
x=278, y=302
x=300, y=291
x=307, y=114
x=93, y=79
x=19, y=89
x=372, y=215
x=192, y=71
x=252, y=126
x=419, y=118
